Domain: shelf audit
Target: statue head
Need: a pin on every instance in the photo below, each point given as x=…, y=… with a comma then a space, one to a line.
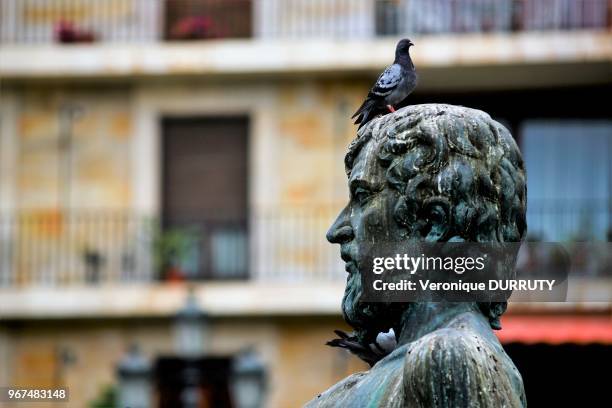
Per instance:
x=433, y=173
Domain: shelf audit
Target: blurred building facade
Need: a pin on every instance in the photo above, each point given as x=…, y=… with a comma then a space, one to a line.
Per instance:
x=147, y=144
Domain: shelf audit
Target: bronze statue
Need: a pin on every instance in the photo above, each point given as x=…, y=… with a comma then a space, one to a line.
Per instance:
x=435, y=173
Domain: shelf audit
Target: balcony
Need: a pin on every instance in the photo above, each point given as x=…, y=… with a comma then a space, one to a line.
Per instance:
x=144, y=21
x=59, y=249
x=139, y=39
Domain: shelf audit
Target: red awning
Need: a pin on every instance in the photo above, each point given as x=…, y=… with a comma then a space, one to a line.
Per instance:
x=556, y=329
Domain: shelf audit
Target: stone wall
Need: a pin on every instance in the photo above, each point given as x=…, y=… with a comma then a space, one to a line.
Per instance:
x=73, y=149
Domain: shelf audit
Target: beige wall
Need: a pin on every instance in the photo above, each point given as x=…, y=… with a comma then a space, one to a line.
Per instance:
x=51, y=164
x=94, y=172
x=299, y=131
x=300, y=365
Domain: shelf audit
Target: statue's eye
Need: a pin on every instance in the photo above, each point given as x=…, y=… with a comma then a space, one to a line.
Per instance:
x=361, y=195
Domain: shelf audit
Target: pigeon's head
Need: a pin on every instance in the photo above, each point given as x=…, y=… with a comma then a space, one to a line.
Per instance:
x=403, y=46
x=402, y=51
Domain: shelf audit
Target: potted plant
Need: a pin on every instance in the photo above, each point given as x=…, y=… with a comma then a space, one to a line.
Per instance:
x=172, y=248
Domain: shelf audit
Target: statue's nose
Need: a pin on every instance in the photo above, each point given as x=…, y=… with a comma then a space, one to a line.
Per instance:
x=341, y=230
x=340, y=234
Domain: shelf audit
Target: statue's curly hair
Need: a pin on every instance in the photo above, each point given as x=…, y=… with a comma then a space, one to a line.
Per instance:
x=445, y=159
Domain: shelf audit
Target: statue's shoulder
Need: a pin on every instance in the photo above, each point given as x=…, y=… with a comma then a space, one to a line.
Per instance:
x=453, y=367
x=380, y=386
x=447, y=345
x=337, y=394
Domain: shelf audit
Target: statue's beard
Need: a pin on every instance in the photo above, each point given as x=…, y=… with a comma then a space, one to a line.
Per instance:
x=369, y=318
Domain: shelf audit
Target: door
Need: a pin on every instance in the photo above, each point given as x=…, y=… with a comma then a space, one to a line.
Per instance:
x=205, y=163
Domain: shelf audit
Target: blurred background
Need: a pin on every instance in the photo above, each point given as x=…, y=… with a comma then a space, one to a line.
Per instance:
x=168, y=170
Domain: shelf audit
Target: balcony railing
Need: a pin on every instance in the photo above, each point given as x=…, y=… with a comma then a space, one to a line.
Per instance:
x=138, y=21
x=276, y=244
x=564, y=220
x=99, y=247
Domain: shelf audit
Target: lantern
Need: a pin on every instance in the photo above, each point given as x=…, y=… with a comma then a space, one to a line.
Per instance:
x=134, y=374
x=248, y=383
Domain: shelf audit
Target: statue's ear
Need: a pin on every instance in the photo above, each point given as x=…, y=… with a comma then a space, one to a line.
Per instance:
x=436, y=210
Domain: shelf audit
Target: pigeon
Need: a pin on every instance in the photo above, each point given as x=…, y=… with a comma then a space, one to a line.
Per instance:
x=384, y=344
x=392, y=87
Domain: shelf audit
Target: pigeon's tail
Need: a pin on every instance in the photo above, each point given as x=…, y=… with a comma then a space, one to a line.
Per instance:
x=364, y=112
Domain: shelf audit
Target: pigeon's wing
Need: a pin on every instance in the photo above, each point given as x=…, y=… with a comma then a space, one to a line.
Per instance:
x=384, y=86
x=387, y=81
x=352, y=344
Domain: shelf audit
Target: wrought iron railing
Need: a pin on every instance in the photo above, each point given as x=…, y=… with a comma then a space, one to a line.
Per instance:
x=137, y=21
x=563, y=220
x=98, y=247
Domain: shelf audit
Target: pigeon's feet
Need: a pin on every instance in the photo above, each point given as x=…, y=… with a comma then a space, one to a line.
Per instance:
x=391, y=108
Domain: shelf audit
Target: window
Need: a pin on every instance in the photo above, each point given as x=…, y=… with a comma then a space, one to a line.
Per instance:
x=569, y=178
x=205, y=205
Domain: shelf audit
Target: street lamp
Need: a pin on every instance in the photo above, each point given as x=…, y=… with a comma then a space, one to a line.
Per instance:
x=190, y=328
x=134, y=373
x=249, y=380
